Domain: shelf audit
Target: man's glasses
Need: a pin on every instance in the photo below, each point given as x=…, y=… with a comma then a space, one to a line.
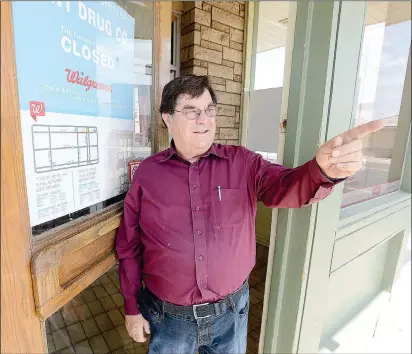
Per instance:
x=193, y=114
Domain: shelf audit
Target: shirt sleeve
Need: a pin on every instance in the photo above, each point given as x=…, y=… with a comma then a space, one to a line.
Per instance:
x=281, y=187
x=129, y=249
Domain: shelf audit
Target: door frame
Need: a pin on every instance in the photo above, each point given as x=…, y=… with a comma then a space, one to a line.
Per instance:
x=326, y=55
x=23, y=329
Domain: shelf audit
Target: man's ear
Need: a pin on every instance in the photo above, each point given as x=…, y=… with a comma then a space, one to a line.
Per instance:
x=166, y=120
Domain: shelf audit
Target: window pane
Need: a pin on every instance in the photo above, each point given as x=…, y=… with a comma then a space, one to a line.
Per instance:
x=381, y=77
x=85, y=100
x=269, y=64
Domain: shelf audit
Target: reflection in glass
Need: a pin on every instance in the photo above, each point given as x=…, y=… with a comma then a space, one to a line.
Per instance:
x=381, y=77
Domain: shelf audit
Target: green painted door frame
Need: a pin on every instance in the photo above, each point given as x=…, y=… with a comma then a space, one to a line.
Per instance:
x=326, y=54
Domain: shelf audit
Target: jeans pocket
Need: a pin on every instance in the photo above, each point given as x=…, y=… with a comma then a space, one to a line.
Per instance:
x=243, y=304
x=244, y=310
x=150, y=309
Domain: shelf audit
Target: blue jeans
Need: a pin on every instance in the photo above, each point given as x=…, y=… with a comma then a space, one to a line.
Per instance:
x=225, y=333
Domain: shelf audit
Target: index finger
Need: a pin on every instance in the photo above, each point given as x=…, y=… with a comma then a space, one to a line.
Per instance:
x=363, y=130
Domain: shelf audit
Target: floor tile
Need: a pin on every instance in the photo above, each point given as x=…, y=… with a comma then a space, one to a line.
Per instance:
x=262, y=253
x=104, y=322
x=113, y=275
x=90, y=327
x=117, y=284
x=83, y=348
x=95, y=307
x=251, y=350
x=89, y=295
x=113, y=339
x=261, y=273
x=253, y=276
x=96, y=283
x=47, y=325
x=68, y=350
x=122, y=311
x=116, y=317
x=253, y=282
x=261, y=287
x=254, y=300
x=76, y=333
x=136, y=348
x=99, y=345
x=256, y=311
x=121, y=350
x=105, y=279
x=100, y=291
x=83, y=312
x=50, y=344
x=257, y=294
x=70, y=316
x=56, y=321
x=255, y=334
x=260, y=264
x=110, y=288
x=254, y=321
x=61, y=339
x=107, y=303
x=118, y=299
x=252, y=344
x=124, y=335
x=66, y=307
x=77, y=300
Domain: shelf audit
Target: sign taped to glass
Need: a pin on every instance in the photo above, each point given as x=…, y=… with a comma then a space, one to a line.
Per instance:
x=76, y=59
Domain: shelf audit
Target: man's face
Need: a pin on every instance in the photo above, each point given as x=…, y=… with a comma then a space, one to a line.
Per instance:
x=192, y=136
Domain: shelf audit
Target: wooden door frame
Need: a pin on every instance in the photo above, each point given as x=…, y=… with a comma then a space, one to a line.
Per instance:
x=22, y=327
x=22, y=331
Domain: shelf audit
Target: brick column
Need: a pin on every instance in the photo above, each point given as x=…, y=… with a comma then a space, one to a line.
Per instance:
x=212, y=44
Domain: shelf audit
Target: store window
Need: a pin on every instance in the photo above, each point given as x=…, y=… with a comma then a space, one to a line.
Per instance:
x=381, y=77
x=268, y=69
x=175, y=46
x=84, y=84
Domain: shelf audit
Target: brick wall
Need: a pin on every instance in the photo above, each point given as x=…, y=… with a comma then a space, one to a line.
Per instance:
x=212, y=44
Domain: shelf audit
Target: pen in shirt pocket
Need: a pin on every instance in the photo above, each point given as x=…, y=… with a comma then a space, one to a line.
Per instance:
x=219, y=192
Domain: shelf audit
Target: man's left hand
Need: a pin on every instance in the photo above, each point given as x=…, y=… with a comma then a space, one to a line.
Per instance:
x=342, y=156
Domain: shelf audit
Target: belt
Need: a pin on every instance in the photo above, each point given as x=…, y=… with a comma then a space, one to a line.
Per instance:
x=204, y=310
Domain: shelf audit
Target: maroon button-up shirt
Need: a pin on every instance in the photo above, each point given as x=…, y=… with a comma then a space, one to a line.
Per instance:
x=188, y=230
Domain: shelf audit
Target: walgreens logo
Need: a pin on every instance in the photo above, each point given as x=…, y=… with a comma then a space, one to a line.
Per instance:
x=77, y=78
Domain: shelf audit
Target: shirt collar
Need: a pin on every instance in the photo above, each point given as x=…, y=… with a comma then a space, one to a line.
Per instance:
x=214, y=150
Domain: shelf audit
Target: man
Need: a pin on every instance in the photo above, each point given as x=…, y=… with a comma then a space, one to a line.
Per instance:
x=188, y=229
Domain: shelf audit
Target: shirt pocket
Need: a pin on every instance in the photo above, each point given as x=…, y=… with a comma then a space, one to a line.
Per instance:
x=228, y=207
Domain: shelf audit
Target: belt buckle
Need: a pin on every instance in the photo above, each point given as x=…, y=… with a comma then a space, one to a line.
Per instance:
x=195, y=313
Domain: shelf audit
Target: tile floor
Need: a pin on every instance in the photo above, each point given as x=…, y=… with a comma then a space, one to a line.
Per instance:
x=93, y=321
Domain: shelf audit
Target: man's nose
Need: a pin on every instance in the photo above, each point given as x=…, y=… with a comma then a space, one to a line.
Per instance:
x=202, y=117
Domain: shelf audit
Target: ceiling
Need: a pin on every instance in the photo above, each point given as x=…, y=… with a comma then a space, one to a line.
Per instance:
x=273, y=19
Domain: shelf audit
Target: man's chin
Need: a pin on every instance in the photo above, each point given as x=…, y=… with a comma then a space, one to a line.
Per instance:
x=204, y=143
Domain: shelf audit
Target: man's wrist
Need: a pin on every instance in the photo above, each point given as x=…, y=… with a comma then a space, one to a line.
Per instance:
x=334, y=180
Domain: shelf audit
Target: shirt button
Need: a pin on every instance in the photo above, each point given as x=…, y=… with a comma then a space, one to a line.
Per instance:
x=197, y=208
x=218, y=227
x=199, y=232
x=200, y=257
x=201, y=282
x=194, y=186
